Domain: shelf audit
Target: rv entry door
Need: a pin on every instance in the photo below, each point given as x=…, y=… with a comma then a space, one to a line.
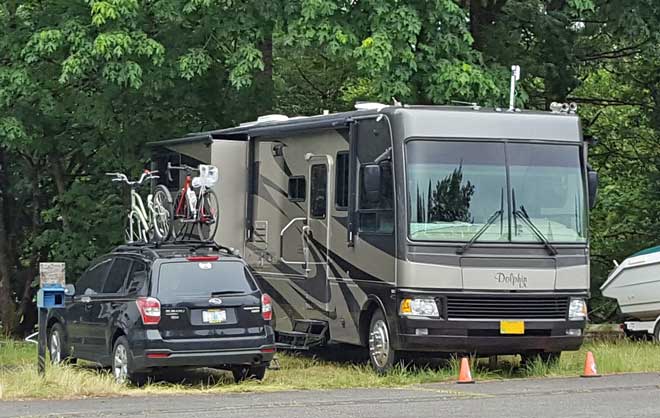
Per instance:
x=316, y=236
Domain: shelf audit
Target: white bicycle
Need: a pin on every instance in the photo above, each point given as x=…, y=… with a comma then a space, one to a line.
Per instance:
x=153, y=223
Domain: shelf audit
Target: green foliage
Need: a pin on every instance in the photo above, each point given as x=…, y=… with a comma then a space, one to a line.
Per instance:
x=84, y=85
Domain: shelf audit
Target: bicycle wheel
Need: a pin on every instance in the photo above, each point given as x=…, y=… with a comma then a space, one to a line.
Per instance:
x=209, y=218
x=133, y=230
x=181, y=217
x=162, y=214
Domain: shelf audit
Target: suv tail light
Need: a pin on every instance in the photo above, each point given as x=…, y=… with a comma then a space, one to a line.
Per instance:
x=149, y=310
x=266, y=307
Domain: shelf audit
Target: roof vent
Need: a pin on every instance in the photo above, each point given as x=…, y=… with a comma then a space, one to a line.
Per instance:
x=272, y=118
x=369, y=106
x=266, y=119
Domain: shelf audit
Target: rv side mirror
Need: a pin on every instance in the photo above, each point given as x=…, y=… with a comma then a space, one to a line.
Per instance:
x=69, y=290
x=371, y=178
x=592, y=178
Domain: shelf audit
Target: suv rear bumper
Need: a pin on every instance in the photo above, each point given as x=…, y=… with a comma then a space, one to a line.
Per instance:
x=150, y=350
x=168, y=358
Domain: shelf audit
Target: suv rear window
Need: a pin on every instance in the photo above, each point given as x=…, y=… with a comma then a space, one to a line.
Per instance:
x=192, y=278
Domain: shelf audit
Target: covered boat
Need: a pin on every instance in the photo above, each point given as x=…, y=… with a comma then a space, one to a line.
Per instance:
x=635, y=284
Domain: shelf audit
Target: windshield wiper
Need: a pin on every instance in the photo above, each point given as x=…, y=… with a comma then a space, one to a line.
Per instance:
x=522, y=214
x=227, y=292
x=480, y=232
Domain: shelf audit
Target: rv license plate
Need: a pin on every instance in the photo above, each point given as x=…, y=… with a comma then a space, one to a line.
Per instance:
x=214, y=316
x=512, y=327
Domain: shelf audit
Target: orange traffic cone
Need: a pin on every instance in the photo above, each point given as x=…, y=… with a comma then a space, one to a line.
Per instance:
x=590, y=366
x=464, y=375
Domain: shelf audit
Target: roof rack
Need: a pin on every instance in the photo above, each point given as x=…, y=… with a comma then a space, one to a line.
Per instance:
x=198, y=244
x=131, y=248
x=193, y=245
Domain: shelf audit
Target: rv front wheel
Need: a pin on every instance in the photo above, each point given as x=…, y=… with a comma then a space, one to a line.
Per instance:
x=381, y=354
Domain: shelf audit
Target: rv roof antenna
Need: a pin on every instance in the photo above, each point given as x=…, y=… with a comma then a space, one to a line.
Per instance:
x=515, y=76
x=395, y=102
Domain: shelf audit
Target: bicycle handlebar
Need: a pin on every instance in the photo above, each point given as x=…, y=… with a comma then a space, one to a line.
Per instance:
x=183, y=167
x=146, y=175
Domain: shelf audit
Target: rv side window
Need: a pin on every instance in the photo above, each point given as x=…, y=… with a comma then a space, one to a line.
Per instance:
x=341, y=181
x=376, y=208
x=317, y=194
x=297, y=188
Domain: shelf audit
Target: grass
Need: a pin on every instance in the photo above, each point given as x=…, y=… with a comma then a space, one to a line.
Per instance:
x=19, y=378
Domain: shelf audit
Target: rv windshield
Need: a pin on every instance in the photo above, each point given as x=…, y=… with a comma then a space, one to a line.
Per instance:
x=456, y=187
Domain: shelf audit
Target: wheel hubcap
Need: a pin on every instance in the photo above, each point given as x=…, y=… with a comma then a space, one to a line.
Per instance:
x=120, y=364
x=379, y=343
x=55, y=350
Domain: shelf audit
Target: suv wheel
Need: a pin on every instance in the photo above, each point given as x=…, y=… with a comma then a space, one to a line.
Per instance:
x=55, y=344
x=242, y=373
x=381, y=354
x=122, y=369
x=56, y=349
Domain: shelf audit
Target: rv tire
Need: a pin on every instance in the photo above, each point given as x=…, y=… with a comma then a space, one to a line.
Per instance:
x=656, y=333
x=381, y=354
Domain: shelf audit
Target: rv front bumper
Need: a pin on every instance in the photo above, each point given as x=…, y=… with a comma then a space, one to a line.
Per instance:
x=484, y=336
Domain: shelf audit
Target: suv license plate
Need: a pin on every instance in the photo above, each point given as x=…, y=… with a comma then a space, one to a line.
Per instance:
x=214, y=316
x=512, y=327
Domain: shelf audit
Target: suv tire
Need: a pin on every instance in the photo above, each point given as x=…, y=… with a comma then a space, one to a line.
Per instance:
x=122, y=368
x=56, y=349
x=381, y=354
x=242, y=373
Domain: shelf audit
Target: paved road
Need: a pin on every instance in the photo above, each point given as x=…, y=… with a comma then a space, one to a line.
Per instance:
x=632, y=395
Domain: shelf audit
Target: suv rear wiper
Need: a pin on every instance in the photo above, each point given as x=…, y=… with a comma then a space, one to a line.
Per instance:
x=522, y=214
x=480, y=232
x=227, y=292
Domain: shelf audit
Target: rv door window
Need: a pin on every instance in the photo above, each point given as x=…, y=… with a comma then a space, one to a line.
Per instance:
x=297, y=188
x=318, y=191
x=341, y=181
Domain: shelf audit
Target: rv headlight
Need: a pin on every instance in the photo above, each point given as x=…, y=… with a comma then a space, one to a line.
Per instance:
x=577, y=310
x=419, y=307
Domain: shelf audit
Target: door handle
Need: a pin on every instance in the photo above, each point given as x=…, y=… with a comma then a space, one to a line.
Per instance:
x=88, y=306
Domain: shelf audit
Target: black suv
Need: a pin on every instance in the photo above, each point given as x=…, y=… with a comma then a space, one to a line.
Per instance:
x=145, y=307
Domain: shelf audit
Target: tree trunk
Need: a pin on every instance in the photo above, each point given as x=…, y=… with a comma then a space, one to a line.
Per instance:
x=483, y=14
x=60, y=185
x=263, y=91
x=26, y=316
x=7, y=308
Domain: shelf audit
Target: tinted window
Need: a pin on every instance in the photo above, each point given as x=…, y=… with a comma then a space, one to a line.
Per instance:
x=341, y=181
x=92, y=280
x=318, y=190
x=297, y=189
x=117, y=275
x=138, y=278
x=188, y=279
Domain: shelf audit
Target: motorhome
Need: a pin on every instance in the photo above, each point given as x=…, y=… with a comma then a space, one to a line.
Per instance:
x=410, y=229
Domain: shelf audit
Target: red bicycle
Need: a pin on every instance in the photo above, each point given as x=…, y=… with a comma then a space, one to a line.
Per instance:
x=196, y=204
